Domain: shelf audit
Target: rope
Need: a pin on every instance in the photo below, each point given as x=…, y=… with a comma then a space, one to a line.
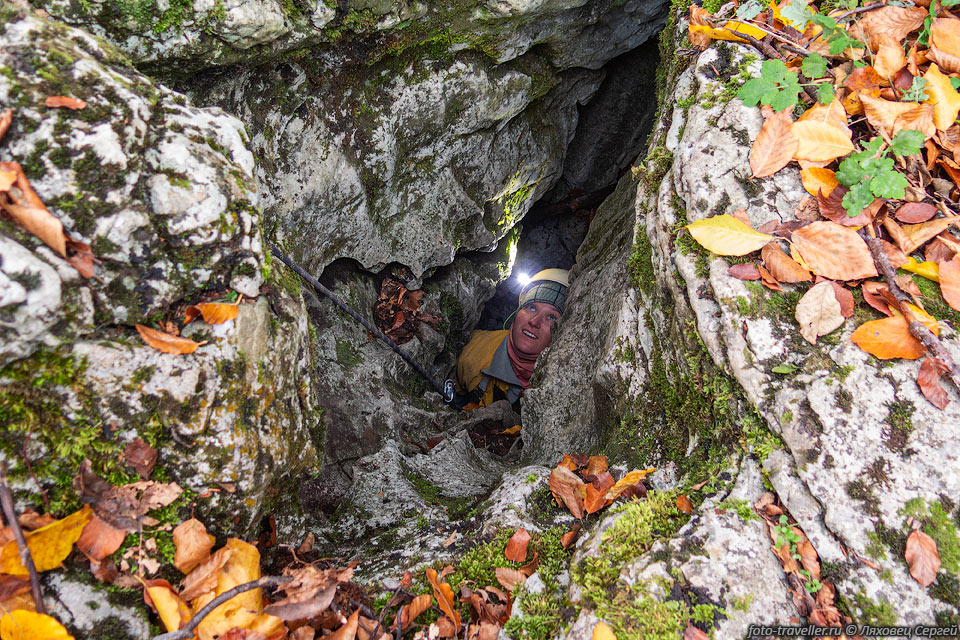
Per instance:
x=445, y=390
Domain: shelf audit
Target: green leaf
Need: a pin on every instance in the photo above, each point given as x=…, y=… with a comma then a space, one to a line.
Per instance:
x=889, y=184
x=907, y=142
x=814, y=66
x=773, y=70
x=749, y=10
x=825, y=93
x=784, y=368
x=798, y=13
x=949, y=3
x=857, y=199
x=850, y=172
x=782, y=100
x=753, y=90
x=955, y=83
x=917, y=91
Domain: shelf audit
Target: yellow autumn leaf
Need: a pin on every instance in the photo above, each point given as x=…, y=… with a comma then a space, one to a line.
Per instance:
x=925, y=318
x=945, y=35
x=742, y=27
x=929, y=270
x=603, y=632
x=627, y=481
x=815, y=179
x=820, y=141
x=890, y=57
x=29, y=625
x=724, y=235
x=712, y=33
x=943, y=97
x=241, y=610
x=173, y=611
x=49, y=545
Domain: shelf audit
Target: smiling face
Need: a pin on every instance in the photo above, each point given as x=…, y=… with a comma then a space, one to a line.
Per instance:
x=533, y=326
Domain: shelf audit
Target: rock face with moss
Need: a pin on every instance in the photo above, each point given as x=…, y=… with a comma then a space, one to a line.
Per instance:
x=162, y=192
x=676, y=370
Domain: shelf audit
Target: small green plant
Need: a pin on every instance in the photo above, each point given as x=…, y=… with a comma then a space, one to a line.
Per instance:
x=870, y=173
x=531, y=478
x=917, y=91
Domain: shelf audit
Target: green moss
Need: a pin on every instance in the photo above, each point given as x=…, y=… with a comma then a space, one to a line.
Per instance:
x=899, y=424
x=542, y=611
x=741, y=507
x=477, y=567
x=937, y=524
x=877, y=614
x=640, y=265
x=934, y=303
x=347, y=354
x=655, y=165
x=742, y=603
x=875, y=548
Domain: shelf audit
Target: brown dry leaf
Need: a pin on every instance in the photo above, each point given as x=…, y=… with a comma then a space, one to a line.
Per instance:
x=49, y=545
x=98, y=539
x=6, y=119
x=808, y=556
x=820, y=142
x=928, y=379
x=781, y=266
x=892, y=117
x=818, y=312
x=774, y=146
x=445, y=598
x=203, y=579
x=890, y=57
x=568, y=462
x=629, y=482
x=304, y=605
x=785, y=556
x=699, y=17
x=913, y=236
x=943, y=97
x=509, y=578
x=412, y=611
x=529, y=568
x=212, y=312
x=303, y=633
x=141, y=456
x=896, y=22
x=831, y=208
x=444, y=629
x=67, y=102
x=946, y=61
x=897, y=258
x=844, y=297
x=193, y=545
x=30, y=519
x=450, y=539
x=832, y=114
x=123, y=507
x=746, y=271
x=349, y=630
x=888, y=338
x=945, y=35
x=741, y=215
x=808, y=210
x=596, y=498
x=596, y=465
x=767, y=280
x=516, y=549
x=167, y=343
x=922, y=557
x=816, y=180
x=950, y=282
x=693, y=633
x=32, y=214
x=834, y=252
x=567, y=488
x=915, y=212
x=567, y=539
x=7, y=179
x=939, y=251
x=683, y=503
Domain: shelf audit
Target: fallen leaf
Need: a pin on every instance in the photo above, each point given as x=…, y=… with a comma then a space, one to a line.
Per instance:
x=450, y=540
x=167, y=343
x=603, y=632
x=747, y=271
x=596, y=465
x=896, y=22
x=808, y=210
x=516, y=550
x=68, y=102
x=445, y=599
x=890, y=57
x=303, y=633
x=888, y=338
x=32, y=214
x=242, y=610
x=141, y=456
x=30, y=519
x=193, y=545
x=781, y=266
x=928, y=379
x=724, y=235
x=173, y=611
x=11, y=586
x=98, y=539
x=412, y=611
x=596, y=497
x=105, y=570
x=922, y=557
x=816, y=180
x=349, y=630
x=818, y=312
x=939, y=251
x=49, y=545
x=741, y=215
x=831, y=208
x=913, y=236
x=929, y=270
x=844, y=297
x=629, y=481
x=6, y=119
x=568, y=462
x=509, y=578
x=833, y=251
x=693, y=633
x=808, y=556
x=774, y=146
x=831, y=114
x=950, y=282
x=568, y=489
x=303, y=606
x=7, y=179
x=892, y=117
x=567, y=539
x=123, y=507
x=29, y=625
x=820, y=142
x=512, y=431
x=212, y=312
x=203, y=578
x=943, y=97
x=767, y=279
x=684, y=504
x=914, y=212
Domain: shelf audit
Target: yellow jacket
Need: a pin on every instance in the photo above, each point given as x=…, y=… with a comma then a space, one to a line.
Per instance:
x=484, y=361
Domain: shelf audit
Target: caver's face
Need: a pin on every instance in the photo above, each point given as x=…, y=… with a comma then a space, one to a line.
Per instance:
x=533, y=326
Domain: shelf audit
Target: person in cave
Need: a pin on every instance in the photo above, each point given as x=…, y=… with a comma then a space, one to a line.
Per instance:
x=499, y=364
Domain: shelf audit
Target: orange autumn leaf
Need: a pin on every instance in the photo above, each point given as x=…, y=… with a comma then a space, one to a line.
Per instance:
x=349, y=630
x=833, y=251
x=595, y=499
x=628, y=481
x=68, y=102
x=683, y=503
x=567, y=489
x=443, y=592
x=6, y=119
x=831, y=114
x=167, y=343
x=242, y=610
x=950, y=282
x=922, y=557
x=820, y=142
x=774, y=147
x=49, y=545
x=99, y=539
x=928, y=379
x=603, y=632
x=816, y=180
x=888, y=338
x=212, y=312
x=412, y=611
x=7, y=179
x=910, y=237
x=516, y=549
x=567, y=539
x=193, y=545
x=28, y=210
x=890, y=57
x=897, y=22
x=945, y=35
x=781, y=266
x=892, y=117
x=173, y=611
x=596, y=465
x=29, y=625
x=943, y=97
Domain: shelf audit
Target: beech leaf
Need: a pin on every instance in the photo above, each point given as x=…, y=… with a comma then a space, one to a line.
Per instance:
x=212, y=312
x=516, y=550
x=167, y=343
x=683, y=503
x=443, y=592
x=509, y=578
x=943, y=97
x=774, y=147
x=173, y=611
x=193, y=545
x=747, y=271
x=68, y=102
x=783, y=267
x=30, y=625
x=724, y=235
x=816, y=180
x=568, y=489
x=412, y=611
x=818, y=312
x=627, y=482
x=6, y=119
x=820, y=142
x=32, y=214
x=888, y=338
x=141, y=456
x=99, y=539
x=928, y=379
x=833, y=251
x=950, y=282
x=922, y=557
x=914, y=212
x=49, y=545
x=603, y=632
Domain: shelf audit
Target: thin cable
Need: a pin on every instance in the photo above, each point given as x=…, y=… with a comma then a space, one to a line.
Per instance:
x=445, y=390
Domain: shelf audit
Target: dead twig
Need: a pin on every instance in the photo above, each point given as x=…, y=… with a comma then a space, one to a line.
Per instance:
x=390, y=602
x=869, y=7
x=6, y=500
x=917, y=329
x=187, y=632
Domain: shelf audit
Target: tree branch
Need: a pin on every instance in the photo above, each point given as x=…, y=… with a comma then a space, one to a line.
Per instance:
x=187, y=632
x=917, y=329
x=6, y=500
